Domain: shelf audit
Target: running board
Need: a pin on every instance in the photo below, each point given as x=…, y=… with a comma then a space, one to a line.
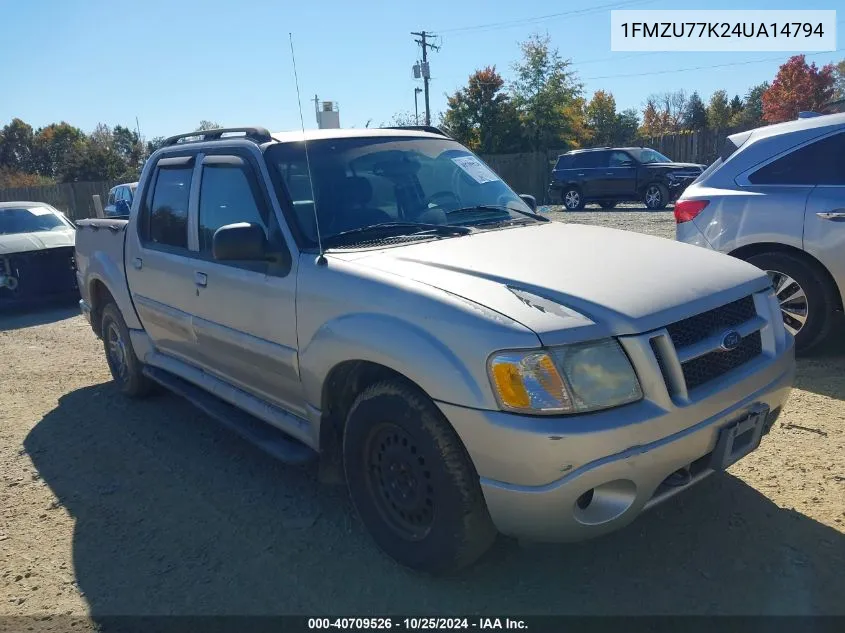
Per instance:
x=265, y=436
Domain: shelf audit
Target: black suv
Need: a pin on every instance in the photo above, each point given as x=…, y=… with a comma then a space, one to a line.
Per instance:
x=608, y=175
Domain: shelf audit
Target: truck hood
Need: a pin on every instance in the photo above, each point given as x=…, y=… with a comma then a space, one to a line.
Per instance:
x=570, y=282
x=25, y=242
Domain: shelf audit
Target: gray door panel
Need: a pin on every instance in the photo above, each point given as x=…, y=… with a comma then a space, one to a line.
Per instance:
x=824, y=230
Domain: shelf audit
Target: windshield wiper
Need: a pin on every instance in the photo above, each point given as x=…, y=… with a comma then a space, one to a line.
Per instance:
x=397, y=228
x=497, y=207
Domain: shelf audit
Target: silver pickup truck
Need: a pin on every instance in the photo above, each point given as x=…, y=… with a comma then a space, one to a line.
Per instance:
x=464, y=364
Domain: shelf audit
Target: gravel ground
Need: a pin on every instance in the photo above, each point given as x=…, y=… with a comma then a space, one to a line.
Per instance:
x=147, y=508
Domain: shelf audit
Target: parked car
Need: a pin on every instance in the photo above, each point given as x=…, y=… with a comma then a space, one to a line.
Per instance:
x=775, y=197
x=465, y=364
x=36, y=254
x=609, y=175
x=120, y=200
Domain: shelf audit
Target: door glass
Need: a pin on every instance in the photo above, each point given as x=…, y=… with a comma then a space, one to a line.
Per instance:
x=618, y=159
x=169, y=209
x=226, y=197
x=591, y=160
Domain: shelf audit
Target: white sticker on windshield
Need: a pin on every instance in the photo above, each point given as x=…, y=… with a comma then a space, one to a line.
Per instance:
x=40, y=211
x=476, y=169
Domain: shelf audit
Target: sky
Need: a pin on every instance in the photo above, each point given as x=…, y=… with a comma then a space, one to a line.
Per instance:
x=172, y=63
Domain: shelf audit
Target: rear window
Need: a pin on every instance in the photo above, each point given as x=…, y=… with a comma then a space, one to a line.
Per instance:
x=564, y=162
x=819, y=163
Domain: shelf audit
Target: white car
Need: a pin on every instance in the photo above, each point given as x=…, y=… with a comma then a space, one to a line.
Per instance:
x=776, y=198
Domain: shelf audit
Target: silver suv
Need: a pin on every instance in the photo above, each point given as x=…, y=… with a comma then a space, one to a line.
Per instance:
x=465, y=365
x=776, y=198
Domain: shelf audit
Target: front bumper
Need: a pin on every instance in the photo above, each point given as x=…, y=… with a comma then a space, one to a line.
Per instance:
x=535, y=472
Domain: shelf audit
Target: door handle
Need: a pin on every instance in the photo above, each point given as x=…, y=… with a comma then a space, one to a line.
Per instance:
x=580, y=174
x=137, y=263
x=609, y=173
x=836, y=214
x=201, y=279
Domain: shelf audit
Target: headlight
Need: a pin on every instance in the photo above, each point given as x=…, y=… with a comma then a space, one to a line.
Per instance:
x=569, y=379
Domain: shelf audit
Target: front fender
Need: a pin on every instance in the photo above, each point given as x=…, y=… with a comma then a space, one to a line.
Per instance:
x=400, y=346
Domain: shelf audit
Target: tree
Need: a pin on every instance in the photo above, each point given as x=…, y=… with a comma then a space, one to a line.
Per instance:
x=695, y=115
x=674, y=105
x=627, y=124
x=736, y=105
x=53, y=147
x=654, y=119
x=548, y=96
x=154, y=144
x=601, y=117
x=719, y=110
x=482, y=116
x=839, y=80
x=208, y=125
x=16, y=144
x=401, y=119
x=752, y=112
x=798, y=86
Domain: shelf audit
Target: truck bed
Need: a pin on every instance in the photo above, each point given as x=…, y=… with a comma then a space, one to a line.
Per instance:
x=99, y=255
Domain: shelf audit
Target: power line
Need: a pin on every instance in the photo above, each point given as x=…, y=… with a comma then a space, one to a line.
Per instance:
x=542, y=18
x=680, y=70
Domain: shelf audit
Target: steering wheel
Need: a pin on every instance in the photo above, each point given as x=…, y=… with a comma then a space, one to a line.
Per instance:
x=442, y=194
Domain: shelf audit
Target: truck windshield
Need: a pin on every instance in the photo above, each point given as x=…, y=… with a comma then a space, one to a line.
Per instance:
x=29, y=220
x=651, y=156
x=365, y=181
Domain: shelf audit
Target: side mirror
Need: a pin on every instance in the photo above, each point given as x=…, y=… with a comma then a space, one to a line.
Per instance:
x=531, y=201
x=240, y=242
x=122, y=207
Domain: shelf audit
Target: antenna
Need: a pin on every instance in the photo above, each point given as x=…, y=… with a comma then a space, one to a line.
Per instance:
x=321, y=260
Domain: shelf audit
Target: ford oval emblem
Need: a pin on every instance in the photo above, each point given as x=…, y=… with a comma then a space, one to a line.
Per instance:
x=730, y=340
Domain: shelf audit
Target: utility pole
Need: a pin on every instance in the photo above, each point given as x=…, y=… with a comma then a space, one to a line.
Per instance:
x=424, y=68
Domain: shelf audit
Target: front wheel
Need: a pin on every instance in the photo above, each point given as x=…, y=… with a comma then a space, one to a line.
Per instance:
x=656, y=196
x=412, y=482
x=806, y=298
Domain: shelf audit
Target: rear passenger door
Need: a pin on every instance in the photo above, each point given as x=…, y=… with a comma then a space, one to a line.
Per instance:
x=591, y=172
x=159, y=264
x=245, y=312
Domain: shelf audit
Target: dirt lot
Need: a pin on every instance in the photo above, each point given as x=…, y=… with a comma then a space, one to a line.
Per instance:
x=111, y=507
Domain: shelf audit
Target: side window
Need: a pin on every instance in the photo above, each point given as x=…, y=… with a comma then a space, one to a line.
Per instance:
x=818, y=163
x=226, y=197
x=564, y=162
x=617, y=159
x=593, y=160
x=169, y=207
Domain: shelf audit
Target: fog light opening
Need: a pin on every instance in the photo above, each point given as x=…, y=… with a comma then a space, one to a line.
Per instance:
x=585, y=499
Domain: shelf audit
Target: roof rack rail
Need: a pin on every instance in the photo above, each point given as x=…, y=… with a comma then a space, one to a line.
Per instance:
x=418, y=128
x=257, y=134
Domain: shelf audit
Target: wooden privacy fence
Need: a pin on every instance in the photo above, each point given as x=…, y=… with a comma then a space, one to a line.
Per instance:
x=74, y=199
x=701, y=146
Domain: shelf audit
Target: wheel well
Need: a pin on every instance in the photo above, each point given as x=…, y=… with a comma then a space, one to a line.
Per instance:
x=744, y=252
x=100, y=298
x=343, y=384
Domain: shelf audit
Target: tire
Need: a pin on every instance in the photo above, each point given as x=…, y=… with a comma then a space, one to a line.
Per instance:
x=395, y=442
x=656, y=196
x=125, y=368
x=787, y=271
x=572, y=199
x=608, y=205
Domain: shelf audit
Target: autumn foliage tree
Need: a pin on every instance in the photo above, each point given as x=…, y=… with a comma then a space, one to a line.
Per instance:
x=482, y=116
x=798, y=87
